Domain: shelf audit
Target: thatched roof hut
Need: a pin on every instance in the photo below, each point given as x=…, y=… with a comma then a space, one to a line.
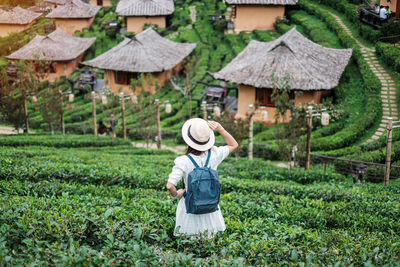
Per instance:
x=57, y=46
x=74, y=9
x=146, y=52
x=309, y=65
x=262, y=2
x=145, y=7
x=18, y=15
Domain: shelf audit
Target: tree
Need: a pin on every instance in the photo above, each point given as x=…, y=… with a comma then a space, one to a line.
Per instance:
x=295, y=127
x=239, y=128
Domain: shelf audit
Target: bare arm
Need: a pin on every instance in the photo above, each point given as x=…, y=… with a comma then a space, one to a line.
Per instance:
x=230, y=141
x=173, y=192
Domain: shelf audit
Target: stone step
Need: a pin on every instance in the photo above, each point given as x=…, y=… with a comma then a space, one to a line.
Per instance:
x=381, y=129
x=375, y=137
x=378, y=133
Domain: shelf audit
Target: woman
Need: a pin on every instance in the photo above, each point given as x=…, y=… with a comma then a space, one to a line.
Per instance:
x=199, y=136
x=102, y=130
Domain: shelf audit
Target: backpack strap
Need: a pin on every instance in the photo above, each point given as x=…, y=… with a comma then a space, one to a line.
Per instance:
x=208, y=158
x=192, y=160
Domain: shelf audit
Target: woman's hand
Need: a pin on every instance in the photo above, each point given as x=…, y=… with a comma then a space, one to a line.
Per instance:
x=215, y=126
x=180, y=193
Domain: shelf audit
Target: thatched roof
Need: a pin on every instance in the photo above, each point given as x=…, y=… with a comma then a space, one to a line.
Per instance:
x=309, y=65
x=146, y=52
x=74, y=9
x=18, y=15
x=262, y=2
x=145, y=7
x=58, y=2
x=57, y=46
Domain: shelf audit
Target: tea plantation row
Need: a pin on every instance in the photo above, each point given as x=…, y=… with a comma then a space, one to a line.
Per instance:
x=107, y=205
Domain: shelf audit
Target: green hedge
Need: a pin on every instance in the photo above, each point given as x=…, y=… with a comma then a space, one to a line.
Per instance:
x=389, y=54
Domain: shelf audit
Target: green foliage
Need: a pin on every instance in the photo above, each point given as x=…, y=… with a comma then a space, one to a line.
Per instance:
x=107, y=205
x=389, y=54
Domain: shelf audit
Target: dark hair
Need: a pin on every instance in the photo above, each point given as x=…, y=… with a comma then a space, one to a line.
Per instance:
x=191, y=150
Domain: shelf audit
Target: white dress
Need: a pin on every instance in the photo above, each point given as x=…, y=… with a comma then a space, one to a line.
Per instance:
x=197, y=223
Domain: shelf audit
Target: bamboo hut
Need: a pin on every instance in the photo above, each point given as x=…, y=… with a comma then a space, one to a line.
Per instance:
x=249, y=15
x=308, y=67
x=147, y=53
x=138, y=13
x=16, y=20
x=74, y=16
x=63, y=50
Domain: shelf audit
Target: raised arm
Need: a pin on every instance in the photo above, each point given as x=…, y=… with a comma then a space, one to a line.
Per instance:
x=230, y=141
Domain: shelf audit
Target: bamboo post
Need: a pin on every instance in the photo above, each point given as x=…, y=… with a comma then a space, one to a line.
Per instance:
x=123, y=114
x=26, y=113
x=94, y=113
x=308, y=145
x=251, y=124
x=388, y=151
x=62, y=114
x=204, y=109
x=157, y=102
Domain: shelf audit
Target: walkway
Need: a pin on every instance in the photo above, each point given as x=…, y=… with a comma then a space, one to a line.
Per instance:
x=177, y=149
x=8, y=130
x=388, y=92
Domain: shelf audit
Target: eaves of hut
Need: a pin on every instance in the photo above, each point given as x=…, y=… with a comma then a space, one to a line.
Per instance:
x=137, y=13
x=147, y=52
x=308, y=67
x=64, y=50
x=74, y=16
x=16, y=20
x=248, y=15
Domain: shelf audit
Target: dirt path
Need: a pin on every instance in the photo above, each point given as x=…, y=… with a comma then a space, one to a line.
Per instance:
x=176, y=149
x=388, y=92
x=8, y=130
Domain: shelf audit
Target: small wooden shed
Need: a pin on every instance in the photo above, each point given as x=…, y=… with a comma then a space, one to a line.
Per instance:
x=64, y=50
x=16, y=20
x=147, y=52
x=74, y=16
x=249, y=15
x=137, y=13
x=312, y=69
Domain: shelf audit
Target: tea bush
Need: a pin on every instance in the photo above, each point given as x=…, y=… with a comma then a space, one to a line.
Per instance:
x=107, y=205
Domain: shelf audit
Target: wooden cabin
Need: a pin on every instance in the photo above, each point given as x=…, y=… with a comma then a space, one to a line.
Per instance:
x=308, y=67
x=394, y=6
x=16, y=20
x=73, y=16
x=138, y=13
x=147, y=53
x=249, y=15
x=63, y=50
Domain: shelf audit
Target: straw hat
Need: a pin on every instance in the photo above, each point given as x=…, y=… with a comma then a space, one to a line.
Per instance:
x=197, y=134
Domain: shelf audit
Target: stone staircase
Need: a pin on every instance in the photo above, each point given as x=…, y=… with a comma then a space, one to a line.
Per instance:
x=388, y=92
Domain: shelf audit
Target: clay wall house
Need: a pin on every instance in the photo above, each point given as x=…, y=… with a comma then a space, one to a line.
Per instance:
x=100, y=2
x=147, y=53
x=138, y=13
x=73, y=16
x=312, y=69
x=249, y=15
x=16, y=20
x=63, y=50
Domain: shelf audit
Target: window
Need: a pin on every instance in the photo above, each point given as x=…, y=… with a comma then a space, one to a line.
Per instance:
x=122, y=77
x=264, y=97
x=100, y=2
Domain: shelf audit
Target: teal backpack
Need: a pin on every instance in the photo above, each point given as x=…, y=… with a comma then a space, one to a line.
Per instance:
x=203, y=189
